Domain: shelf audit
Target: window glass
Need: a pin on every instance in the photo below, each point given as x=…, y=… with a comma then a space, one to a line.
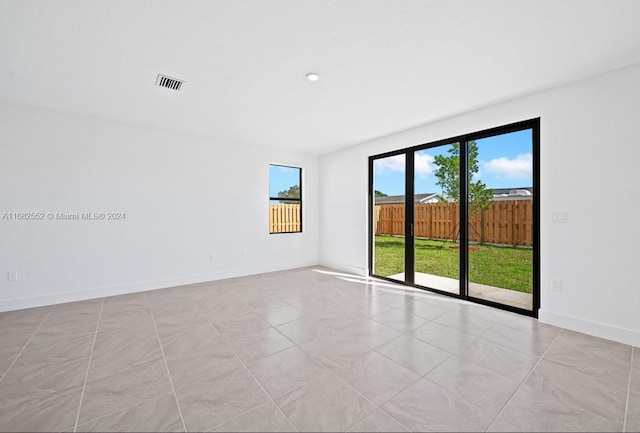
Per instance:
x=285, y=199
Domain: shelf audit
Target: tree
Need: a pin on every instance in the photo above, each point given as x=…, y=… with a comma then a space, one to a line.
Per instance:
x=448, y=174
x=292, y=192
x=379, y=193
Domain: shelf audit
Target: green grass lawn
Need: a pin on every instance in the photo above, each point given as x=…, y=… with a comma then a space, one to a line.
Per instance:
x=505, y=267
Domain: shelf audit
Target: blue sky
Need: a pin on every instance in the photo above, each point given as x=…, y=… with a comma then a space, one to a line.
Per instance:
x=281, y=178
x=505, y=161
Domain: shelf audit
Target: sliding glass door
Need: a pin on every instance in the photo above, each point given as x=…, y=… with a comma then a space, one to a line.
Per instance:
x=500, y=217
x=460, y=216
x=436, y=222
x=389, y=222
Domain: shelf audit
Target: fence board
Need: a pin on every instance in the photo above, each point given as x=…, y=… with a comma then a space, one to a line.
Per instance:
x=508, y=222
x=284, y=218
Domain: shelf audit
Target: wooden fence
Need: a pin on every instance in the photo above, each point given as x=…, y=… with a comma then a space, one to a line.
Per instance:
x=508, y=222
x=284, y=218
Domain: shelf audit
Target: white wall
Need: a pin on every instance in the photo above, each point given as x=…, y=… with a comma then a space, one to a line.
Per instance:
x=184, y=197
x=590, y=154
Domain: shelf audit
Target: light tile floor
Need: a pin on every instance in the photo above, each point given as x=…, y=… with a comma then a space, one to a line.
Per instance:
x=306, y=350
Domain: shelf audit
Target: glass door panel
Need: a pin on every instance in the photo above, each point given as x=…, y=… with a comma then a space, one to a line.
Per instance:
x=436, y=225
x=461, y=218
x=500, y=209
x=389, y=245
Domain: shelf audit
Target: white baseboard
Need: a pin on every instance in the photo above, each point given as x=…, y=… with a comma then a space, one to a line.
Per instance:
x=122, y=289
x=614, y=333
x=362, y=272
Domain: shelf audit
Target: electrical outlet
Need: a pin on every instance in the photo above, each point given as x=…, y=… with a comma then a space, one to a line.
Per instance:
x=12, y=275
x=558, y=217
x=211, y=257
x=556, y=285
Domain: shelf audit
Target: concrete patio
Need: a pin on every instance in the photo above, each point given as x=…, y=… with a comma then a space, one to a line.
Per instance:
x=481, y=291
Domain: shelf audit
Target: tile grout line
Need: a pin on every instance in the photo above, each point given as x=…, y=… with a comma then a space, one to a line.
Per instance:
x=498, y=344
x=473, y=362
x=526, y=377
x=25, y=344
x=424, y=376
x=240, y=415
x=462, y=397
x=273, y=400
x=417, y=339
x=375, y=405
x=399, y=394
x=166, y=365
x=250, y=373
x=404, y=390
x=626, y=406
x=512, y=329
x=378, y=407
x=86, y=374
x=126, y=408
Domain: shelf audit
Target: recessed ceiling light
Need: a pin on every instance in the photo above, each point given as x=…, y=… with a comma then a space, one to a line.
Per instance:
x=312, y=76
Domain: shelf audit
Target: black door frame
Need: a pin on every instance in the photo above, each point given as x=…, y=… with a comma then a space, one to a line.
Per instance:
x=409, y=271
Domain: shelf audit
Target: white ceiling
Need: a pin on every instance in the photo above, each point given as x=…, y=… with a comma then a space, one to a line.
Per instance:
x=384, y=65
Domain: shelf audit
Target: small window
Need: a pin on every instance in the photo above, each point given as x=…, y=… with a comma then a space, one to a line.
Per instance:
x=285, y=199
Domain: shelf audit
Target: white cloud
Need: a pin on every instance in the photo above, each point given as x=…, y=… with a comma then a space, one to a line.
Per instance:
x=390, y=164
x=519, y=168
x=423, y=164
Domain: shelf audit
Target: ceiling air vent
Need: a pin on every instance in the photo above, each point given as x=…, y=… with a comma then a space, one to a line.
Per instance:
x=168, y=82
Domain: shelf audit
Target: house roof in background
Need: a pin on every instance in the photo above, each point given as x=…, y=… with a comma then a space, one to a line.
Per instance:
x=499, y=194
x=384, y=65
x=520, y=193
x=392, y=199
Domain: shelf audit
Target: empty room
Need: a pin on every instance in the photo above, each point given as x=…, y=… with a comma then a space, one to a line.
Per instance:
x=295, y=215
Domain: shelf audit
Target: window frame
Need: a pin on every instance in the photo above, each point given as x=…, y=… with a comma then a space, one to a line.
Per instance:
x=299, y=200
x=534, y=125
